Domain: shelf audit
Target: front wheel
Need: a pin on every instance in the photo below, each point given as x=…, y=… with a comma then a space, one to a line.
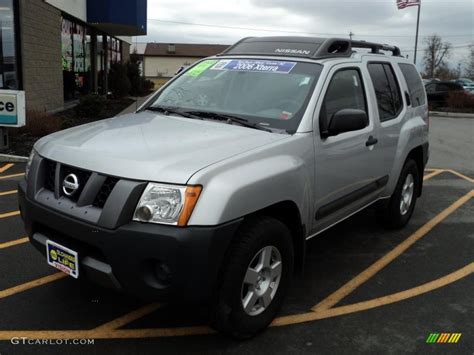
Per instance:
x=255, y=278
x=401, y=205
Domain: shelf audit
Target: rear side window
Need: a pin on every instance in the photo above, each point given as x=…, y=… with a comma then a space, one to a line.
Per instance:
x=388, y=94
x=345, y=91
x=415, y=85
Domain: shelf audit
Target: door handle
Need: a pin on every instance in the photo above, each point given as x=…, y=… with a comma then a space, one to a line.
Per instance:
x=371, y=141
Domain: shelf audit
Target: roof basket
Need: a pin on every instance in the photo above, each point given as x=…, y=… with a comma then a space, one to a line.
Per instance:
x=304, y=47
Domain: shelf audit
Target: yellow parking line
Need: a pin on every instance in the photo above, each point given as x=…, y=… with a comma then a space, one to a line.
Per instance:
x=365, y=275
x=11, y=192
x=11, y=176
x=109, y=331
x=461, y=175
x=31, y=284
x=128, y=318
x=432, y=174
x=5, y=167
x=9, y=214
x=13, y=243
x=376, y=302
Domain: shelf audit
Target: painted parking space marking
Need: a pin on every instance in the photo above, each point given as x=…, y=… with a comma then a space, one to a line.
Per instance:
x=12, y=243
x=9, y=214
x=457, y=173
x=6, y=167
x=376, y=302
x=325, y=309
x=433, y=173
x=31, y=284
x=11, y=176
x=128, y=318
x=368, y=273
x=6, y=193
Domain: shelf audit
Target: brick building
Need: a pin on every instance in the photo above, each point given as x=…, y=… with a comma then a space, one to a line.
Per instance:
x=57, y=50
x=162, y=60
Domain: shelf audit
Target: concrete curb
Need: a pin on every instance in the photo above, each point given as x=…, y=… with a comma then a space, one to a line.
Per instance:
x=451, y=114
x=7, y=158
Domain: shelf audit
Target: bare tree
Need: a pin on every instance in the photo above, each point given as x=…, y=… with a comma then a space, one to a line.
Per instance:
x=436, y=54
x=470, y=64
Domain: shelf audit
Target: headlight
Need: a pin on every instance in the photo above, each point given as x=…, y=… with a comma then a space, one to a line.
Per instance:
x=28, y=163
x=167, y=204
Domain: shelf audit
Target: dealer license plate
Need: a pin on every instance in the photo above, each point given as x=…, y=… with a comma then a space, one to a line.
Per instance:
x=62, y=258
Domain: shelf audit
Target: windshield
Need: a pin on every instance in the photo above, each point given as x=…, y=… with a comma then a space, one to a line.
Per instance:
x=272, y=94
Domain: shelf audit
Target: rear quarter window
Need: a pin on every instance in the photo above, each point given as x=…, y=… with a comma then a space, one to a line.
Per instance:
x=414, y=83
x=386, y=88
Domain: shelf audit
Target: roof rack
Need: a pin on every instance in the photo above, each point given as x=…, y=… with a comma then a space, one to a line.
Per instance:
x=377, y=47
x=304, y=47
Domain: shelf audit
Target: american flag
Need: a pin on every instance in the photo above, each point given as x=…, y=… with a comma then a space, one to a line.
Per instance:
x=401, y=4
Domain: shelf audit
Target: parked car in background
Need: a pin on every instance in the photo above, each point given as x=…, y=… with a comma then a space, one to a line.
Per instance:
x=467, y=84
x=439, y=91
x=430, y=80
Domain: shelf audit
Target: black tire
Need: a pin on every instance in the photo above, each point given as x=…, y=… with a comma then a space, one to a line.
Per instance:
x=228, y=314
x=391, y=214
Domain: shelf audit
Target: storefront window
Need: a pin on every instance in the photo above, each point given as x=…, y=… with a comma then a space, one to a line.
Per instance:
x=76, y=53
x=115, y=53
x=8, y=56
x=100, y=64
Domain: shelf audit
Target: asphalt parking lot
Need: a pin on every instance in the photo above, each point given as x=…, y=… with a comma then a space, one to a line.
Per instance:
x=364, y=289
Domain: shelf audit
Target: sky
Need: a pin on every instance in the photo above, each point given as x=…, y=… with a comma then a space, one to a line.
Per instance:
x=182, y=21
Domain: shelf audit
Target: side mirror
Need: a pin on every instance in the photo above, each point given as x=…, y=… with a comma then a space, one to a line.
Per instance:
x=346, y=120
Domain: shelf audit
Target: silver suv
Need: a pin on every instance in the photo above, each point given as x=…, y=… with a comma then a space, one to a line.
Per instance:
x=210, y=191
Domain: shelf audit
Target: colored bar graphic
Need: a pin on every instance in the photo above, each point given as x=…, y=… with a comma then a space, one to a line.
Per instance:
x=443, y=338
x=432, y=338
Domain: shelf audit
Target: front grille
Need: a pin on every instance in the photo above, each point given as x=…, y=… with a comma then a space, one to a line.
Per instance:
x=105, y=191
x=49, y=174
x=82, y=175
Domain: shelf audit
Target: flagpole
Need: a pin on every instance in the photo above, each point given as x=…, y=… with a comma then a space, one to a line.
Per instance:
x=417, y=30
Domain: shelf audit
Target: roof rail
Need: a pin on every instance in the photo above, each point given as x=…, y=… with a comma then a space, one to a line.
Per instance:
x=304, y=47
x=376, y=47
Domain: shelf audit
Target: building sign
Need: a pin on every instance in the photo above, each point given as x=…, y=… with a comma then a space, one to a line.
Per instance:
x=12, y=108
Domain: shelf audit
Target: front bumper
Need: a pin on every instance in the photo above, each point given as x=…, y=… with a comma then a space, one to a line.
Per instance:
x=151, y=261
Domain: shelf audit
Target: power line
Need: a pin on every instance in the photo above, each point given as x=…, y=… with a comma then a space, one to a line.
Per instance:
x=283, y=31
x=453, y=47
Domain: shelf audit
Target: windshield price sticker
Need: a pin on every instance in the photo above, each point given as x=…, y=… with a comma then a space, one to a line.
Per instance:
x=200, y=68
x=263, y=66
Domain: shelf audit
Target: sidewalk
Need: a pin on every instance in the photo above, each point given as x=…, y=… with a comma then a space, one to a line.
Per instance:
x=451, y=114
x=133, y=107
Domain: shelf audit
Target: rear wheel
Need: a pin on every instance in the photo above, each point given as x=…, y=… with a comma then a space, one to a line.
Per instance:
x=255, y=278
x=401, y=205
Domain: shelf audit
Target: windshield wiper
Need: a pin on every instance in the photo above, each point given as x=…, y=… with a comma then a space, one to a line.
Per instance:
x=172, y=111
x=228, y=118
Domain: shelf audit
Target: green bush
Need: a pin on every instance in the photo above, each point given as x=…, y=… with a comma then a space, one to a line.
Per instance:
x=148, y=86
x=139, y=86
x=90, y=106
x=119, y=83
x=134, y=75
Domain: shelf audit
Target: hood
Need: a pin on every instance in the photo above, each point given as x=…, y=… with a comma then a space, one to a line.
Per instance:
x=150, y=146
